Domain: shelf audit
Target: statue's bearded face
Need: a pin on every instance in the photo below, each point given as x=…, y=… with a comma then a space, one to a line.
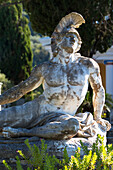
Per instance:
x=70, y=42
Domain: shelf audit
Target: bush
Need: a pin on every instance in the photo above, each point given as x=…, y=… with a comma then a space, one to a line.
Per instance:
x=6, y=83
x=99, y=157
x=40, y=55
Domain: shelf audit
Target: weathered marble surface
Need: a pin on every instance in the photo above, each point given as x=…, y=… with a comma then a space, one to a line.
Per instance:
x=9, y=148
x=65, y=80
x=89, y=129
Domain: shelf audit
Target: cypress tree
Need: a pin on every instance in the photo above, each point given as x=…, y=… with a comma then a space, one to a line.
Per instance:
x=15, y=52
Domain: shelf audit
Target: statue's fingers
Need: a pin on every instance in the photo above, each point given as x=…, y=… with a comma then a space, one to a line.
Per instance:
x=6, y=135
x=108, y=125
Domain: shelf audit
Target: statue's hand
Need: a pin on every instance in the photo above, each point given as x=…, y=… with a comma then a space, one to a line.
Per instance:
x=9, y=132
x=104, y=123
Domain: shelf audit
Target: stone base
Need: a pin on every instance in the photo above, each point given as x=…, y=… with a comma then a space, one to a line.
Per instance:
x=9, y=147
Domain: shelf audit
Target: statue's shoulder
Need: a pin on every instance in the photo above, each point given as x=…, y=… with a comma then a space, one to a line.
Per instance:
x=90, y=63
x=39, y=68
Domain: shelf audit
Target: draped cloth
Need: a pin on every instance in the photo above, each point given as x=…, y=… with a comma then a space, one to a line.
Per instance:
x=20, y=117
x=88, y=126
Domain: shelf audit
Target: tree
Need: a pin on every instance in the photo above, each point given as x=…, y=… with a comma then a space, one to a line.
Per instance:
x=96, y=34
x=40, y=55
x=4, y=3
x=15, y=52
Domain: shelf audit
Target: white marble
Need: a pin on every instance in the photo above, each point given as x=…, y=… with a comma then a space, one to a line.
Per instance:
x=65, y=80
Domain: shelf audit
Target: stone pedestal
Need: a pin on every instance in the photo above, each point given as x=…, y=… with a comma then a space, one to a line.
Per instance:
x=9, y=148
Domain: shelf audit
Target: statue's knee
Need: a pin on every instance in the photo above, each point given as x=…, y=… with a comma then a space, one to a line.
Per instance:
x=72, y=125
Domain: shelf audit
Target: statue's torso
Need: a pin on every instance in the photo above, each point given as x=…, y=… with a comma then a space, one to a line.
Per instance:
x=65, y=86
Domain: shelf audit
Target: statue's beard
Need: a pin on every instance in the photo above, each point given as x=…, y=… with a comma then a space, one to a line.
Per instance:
x=67, y=49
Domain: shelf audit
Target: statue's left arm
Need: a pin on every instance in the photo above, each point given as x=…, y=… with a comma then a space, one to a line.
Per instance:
x=98, y=93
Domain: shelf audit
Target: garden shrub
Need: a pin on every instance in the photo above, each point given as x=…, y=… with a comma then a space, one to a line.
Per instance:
x=6, y=83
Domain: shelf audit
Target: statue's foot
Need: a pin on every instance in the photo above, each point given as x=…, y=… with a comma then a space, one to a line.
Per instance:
x=9, y=132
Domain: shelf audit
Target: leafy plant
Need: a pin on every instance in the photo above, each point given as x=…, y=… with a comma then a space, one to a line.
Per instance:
x=109, y=100
x=6, y=165
x=6, y=83
x=104, y=153
x=40, y=158
x=87, y=104
x=40, y=55
x=15, y=51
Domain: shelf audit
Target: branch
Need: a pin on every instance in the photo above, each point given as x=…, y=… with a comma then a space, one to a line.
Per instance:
x=13, y=3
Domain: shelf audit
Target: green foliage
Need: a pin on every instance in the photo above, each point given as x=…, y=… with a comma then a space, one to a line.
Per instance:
x=39, y=53
x=87, y=105
x=98, y=157
x=65, y=158
x=6, y=165
x=15, y=51
x=109, y=100
x=88, y=162
x=6, y=2
x=19, y=167
x=104, y=153
x=96, y=33
x=6, y=83
x=40, y=158
x=107, y=106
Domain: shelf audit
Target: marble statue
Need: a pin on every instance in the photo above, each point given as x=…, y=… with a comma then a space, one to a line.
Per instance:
x=65, y=81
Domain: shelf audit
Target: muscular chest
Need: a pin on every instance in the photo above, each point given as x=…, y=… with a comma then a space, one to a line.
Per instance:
x=73, y=74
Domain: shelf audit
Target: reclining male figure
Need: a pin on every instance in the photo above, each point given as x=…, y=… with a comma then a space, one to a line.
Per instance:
x=65, y=81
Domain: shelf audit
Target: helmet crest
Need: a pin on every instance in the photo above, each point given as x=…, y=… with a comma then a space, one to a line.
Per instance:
x=67, y=23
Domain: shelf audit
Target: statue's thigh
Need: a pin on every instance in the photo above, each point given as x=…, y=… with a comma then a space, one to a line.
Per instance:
x=19, y=116
x=63, y=122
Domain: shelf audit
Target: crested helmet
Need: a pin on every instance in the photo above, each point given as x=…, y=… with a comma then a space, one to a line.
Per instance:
x=69, y=23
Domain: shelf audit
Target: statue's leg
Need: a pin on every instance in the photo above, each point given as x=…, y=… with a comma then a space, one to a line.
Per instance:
x=53, y=130
x=20, y=116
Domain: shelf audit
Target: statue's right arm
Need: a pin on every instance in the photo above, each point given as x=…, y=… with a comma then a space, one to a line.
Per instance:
x=16, y=92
